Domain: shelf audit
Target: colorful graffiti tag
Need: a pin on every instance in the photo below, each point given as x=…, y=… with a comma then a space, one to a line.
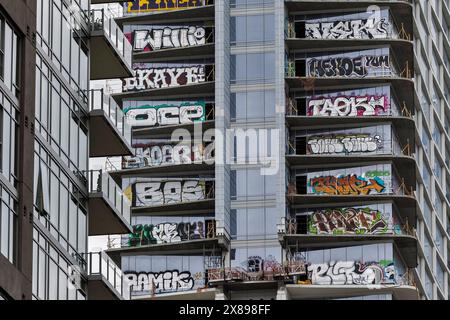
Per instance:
x=348, y=106
x=353, y=273
x=349, y=221
x=157, y=78
x=167, y=38
x=164, y=115
x=344, y=143
x=160, y=282
x=147, y=234
x=351, y=184
x=147, y=194
x=142, y=6
x=346, y=66
x=353, y=29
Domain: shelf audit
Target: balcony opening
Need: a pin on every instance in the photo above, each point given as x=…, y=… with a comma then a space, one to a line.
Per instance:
x=301, y=106
x=301, y=184
x=302, y=224
x=300, y=68
x=300, y=29
x=300, y=145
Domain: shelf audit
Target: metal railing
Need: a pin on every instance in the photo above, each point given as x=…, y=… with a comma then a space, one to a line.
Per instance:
x=103, y=20
x=289, y=226
x=100, y=264
x=101, y=182
x=98, y=100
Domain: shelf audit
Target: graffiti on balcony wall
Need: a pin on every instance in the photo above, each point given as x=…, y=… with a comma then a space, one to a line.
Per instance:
x=141, y=6
x=146, y=194
x=146, y=234
x=351, y=184
x=350, y=106
x=160, y=282
x=354, y=29
x=157, y=78
x=168, y=38
x=161, y=155
x=349, y=221
x=342, y=143
x=353, y=273
x=163, y=115
x=346, y=66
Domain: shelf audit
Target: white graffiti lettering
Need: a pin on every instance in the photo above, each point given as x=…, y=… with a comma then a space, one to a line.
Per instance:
x=335, y=144
x=353, y=29
x=166, y=281
x=168, y=115
x=159, y=193
x=167, y=155
x=348, y=106
x=346, y=66
x=164, y=78
x=167, y=38
x=349, y=272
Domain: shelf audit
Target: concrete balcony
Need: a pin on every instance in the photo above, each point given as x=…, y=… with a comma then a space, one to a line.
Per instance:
x=203, y=12
x=109, y=134
x=110, y=50
x=105, y=279
x=109, y=209
x=309, y=291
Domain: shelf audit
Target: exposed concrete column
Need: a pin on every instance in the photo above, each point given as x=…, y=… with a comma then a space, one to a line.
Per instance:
x=222, y=105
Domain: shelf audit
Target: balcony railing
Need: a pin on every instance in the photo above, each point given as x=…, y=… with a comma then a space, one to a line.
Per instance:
x=103, y=20
x=98, y=100
x=99, y=264
x=101, y=182
x=289, y=226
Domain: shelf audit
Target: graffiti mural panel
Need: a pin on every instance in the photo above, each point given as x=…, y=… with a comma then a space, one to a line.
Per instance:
x=157, y=230
x=352, y=64
x=165, y=37
x=156, y=153
x=145, y=6
x=373, y=28
x=357, y=220
x=362, y=181
x=160, y=274
x=355, y=103
x=336, y=144
x=163, y=115
x=156, y=193
x=163, y=77
x=354, y=273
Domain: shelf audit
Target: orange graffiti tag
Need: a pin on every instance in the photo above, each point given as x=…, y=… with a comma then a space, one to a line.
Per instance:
x=348, y=185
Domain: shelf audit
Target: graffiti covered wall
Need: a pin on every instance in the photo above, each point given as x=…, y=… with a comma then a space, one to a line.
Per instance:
x=362, y=181
x=164, y=77
x=348, y=66
x=339, y=221
x=160, y=155
x=167, y=38
x=344, y=143
x=147, y=234
x=147, y=194
x=348, y=106
x=374, y=28
x=166, y=281
x=143, y=6
x=353, y=273
x=150, y=274
x=163, y=115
